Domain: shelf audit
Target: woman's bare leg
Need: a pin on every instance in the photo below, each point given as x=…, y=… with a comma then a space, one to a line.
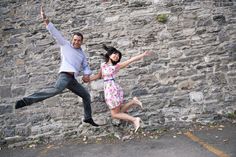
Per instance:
x=115, y=113
x=127, y=106
x=139, y=103
x=131, y=103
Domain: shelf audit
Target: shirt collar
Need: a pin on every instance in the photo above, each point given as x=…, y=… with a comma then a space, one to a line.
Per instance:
x=78, y=49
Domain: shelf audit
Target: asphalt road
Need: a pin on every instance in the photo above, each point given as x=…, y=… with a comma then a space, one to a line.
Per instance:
x=212, y=142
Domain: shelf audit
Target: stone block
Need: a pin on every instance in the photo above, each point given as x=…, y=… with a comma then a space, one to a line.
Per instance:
x=196, y=96
x=112, y=18
x=186, y=85
x=4, y=109
x=22, y=130
x=167, y=89
x=232, y=67
x=53, y=101
x=178, y=43
x=204, y=22
x=9, y=131
x=5, y=91
x=20, y=91
x=139, y=92
x=232, y=80
x=217, y=78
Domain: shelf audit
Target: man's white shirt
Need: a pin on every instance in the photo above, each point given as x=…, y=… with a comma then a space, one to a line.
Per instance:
x=72, y=59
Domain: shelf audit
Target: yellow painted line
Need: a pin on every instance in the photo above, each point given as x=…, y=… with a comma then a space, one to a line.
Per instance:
x=210, y=148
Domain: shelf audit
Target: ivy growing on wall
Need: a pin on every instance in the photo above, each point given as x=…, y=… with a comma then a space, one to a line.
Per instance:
x=162, y=18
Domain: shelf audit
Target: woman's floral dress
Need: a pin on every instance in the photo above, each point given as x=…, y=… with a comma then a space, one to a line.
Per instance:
x=112, y=91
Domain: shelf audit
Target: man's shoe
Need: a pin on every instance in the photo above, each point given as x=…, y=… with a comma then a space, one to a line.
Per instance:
x=90, y=121
x=20, y=104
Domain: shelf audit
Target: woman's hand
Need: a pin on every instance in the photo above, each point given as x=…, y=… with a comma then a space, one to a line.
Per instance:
x=146, y=53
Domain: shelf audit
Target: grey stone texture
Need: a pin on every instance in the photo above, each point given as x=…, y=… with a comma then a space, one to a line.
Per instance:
x=190, y=77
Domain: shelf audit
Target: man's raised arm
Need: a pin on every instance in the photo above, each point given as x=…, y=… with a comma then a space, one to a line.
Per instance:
x=53, y=31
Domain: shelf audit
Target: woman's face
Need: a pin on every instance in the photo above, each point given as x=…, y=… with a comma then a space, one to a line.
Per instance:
x=115, y=57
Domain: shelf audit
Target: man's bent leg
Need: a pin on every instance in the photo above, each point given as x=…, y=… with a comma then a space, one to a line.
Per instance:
x=79, y=90
x=62, y=81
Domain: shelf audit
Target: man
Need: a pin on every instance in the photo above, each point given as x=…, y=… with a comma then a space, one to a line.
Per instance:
x=72, y=60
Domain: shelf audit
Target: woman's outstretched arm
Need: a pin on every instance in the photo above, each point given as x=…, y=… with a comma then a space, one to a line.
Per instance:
x=97, y=76
x=133, y=59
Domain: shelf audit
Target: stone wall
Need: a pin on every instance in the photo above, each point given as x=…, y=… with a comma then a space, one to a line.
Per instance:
x=190, y=77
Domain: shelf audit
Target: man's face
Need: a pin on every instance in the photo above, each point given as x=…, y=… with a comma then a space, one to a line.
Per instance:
x=77, y=41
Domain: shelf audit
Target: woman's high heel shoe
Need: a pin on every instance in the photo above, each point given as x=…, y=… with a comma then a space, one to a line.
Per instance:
x=137, y=124
x=138, y=102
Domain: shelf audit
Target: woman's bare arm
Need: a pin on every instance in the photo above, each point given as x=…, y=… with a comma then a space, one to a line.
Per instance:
x=97, y=76
x=133, y=59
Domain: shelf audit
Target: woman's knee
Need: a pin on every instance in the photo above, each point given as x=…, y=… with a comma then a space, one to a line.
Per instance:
x=113, y=115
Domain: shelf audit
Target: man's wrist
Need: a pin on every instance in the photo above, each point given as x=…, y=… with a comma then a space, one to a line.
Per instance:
x=44, y=16
x=46, y=20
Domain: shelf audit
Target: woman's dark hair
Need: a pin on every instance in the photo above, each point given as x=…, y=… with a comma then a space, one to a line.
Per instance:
x=79, y=34
x=110, y=50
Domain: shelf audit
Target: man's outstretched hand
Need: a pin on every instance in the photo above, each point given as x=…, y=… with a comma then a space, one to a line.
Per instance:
x=43, y=16
x=86, y=78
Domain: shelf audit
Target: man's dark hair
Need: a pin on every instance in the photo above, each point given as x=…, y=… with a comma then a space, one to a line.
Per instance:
x=79, y=34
